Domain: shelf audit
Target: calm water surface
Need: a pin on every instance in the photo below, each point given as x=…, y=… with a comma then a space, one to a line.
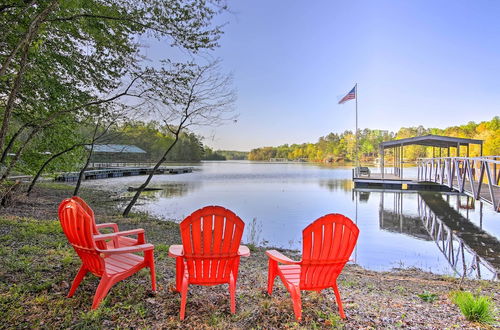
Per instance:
x=277, y=200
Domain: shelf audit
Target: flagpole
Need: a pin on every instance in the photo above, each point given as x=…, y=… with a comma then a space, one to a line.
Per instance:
x=357, y=157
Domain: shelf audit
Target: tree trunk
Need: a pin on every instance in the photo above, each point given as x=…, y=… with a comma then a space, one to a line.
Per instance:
x=82, y=171
x=11, y=143
x=12, y=97
x=150, y=176
x=47, y=162
x=29, y=35
x=25, y=45
x=18, y=154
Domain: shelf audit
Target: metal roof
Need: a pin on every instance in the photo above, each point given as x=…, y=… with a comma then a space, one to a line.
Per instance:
x=118, y=148
x=430, y=141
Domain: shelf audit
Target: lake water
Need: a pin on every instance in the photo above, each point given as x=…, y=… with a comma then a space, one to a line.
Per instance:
x=278, y=200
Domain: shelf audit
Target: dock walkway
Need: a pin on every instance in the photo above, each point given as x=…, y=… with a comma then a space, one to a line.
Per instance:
x=477, y=177
x=121, y=172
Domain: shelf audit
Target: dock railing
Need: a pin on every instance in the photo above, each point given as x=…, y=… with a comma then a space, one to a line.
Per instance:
x=465, y=174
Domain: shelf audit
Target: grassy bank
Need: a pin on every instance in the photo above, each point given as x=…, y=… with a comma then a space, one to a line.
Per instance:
x=38, y=266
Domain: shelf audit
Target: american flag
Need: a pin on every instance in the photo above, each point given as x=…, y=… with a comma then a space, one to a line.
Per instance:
x=350, y=96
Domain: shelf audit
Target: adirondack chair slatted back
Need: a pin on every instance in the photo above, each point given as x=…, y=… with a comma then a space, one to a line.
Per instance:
x=101, y=244
x=327, y=245
x=78, y=226
x=211, y=237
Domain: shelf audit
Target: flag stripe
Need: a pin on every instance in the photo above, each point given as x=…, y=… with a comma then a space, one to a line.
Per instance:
x=350, y=96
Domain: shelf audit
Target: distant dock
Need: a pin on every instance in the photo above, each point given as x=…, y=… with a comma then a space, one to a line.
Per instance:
x=118, y=172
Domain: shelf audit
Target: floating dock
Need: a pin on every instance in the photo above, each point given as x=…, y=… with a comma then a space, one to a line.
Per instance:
x=121, y=172
x=391, y=181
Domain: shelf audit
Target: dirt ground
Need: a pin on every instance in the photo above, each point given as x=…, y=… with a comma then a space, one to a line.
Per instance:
x=38, y=265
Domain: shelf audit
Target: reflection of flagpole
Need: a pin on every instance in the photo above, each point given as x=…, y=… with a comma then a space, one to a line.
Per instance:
x=356, y=220
x=356, y=96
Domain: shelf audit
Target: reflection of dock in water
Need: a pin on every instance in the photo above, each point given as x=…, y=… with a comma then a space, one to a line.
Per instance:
x=397, y=222
x=470, y=250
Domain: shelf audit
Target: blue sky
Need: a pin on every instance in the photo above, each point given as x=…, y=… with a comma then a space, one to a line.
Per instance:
x=431, y=63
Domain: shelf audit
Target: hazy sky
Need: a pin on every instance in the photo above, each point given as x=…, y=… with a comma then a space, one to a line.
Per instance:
x=434, y=63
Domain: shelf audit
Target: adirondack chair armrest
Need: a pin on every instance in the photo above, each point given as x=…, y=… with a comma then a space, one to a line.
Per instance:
x=175, y=251
x=108, y=224
x=280, y=257
x=244, y=251
x=102, y=237
x=128, y=249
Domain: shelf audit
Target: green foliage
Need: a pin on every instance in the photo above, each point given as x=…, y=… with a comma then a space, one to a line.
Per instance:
x=233, y=155
x=341, y=147
x=209, y=154
x=428, y=297
x=475, y=308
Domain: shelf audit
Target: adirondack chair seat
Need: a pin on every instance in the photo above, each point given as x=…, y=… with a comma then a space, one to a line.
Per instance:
x=290, y=274
x=122, y=263
x=327, y=244
x=210, y=251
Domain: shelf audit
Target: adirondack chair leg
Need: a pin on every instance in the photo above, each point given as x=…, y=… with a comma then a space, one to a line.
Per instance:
x=78, y=279
x=232, y=292
x=150, y=256
x=339, y=301
x=272, y=272
x=179, y=273
x=102, y=290
x=297, y=303
x=184, y=289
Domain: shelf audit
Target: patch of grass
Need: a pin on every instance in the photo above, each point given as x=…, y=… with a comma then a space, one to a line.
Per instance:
x=161, y=251
x=330, y=319
x=475, y=308
x=55, y=185
x=348, y=284
x=428, y=297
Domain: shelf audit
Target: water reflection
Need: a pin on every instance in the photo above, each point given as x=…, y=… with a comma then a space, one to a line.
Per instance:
x=394, y=219
x=469, y=250
x=337, y=185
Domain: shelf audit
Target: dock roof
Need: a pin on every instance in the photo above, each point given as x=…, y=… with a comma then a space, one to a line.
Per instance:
x=430, y=141
x=108, y=148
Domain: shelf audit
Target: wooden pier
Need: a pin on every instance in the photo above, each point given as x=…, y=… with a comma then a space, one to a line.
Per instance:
x=121, y=172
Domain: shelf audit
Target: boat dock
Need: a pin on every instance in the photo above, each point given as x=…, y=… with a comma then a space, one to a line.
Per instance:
x=121, y=172
x=477, y=177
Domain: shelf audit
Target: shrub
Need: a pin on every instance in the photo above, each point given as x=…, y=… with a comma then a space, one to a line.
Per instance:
x=428, y=297
x=474, y=307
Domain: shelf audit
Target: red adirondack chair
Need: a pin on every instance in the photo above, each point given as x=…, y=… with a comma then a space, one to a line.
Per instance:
x=210, y=251
x=113, y=242
x=327, y=244
x=111, y=265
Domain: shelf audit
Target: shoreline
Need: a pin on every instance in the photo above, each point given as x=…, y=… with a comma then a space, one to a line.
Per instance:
x=40, y=264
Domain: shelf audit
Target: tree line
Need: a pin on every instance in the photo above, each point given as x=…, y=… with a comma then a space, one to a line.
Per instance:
x=336, y=147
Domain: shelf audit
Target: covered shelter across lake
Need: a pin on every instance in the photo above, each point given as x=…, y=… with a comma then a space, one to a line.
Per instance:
x=442, y=146
x=117, y=153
